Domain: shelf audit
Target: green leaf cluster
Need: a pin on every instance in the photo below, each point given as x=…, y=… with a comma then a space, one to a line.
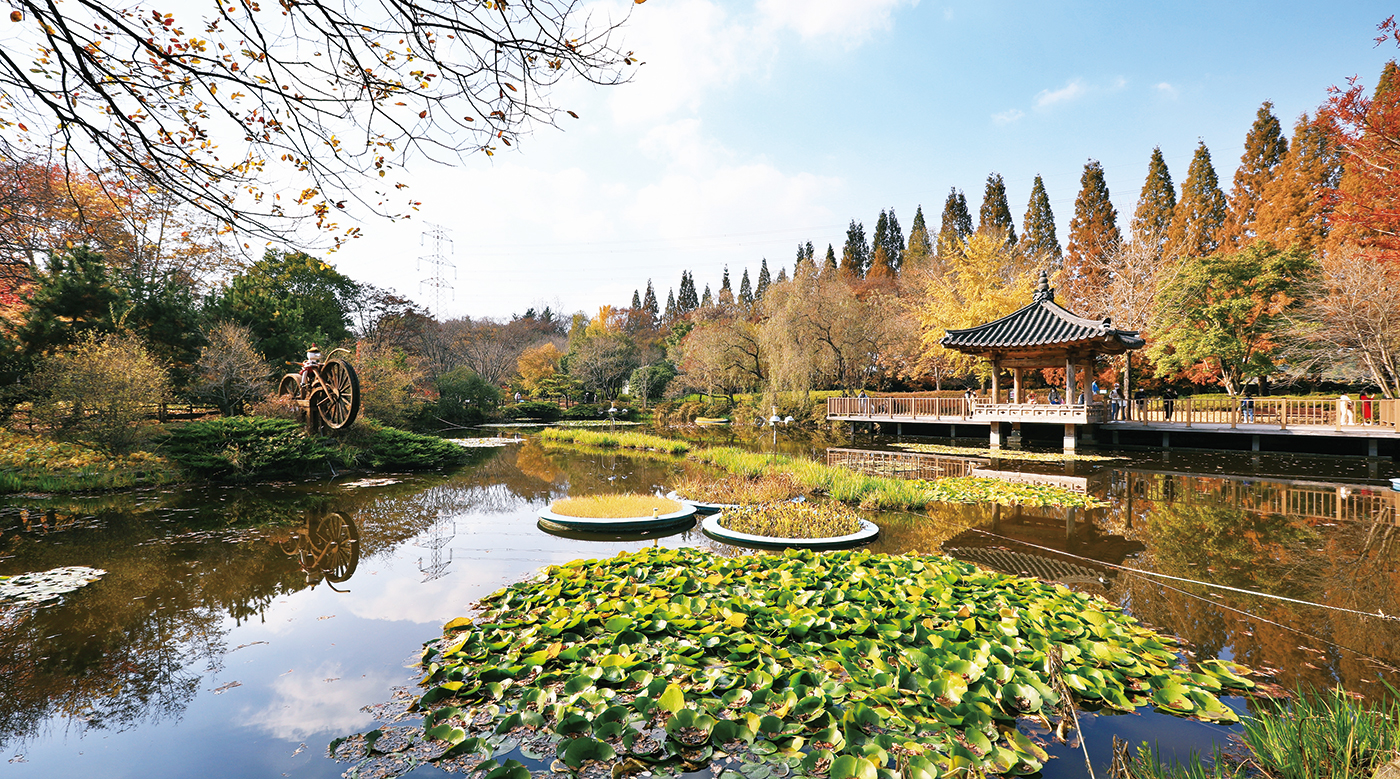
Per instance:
x=392, y=449
x=847, y=664
x=245, y=448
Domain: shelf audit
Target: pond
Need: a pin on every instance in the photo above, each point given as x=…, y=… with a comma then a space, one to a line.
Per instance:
x=239, y=630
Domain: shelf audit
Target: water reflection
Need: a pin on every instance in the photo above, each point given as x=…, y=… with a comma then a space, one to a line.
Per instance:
x=326, y=548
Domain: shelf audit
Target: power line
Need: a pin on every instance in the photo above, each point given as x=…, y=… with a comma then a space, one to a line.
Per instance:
x=440, y=246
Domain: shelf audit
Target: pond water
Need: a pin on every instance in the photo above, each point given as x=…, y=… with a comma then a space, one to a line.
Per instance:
x=239, y=630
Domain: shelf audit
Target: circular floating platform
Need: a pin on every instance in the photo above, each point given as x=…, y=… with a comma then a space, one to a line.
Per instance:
x=711, y=421
x=553, y=521
x=595, y=534
x=1395, y=484
x=868, y=531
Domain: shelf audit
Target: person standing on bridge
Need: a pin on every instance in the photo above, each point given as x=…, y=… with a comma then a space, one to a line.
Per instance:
x=969, y=397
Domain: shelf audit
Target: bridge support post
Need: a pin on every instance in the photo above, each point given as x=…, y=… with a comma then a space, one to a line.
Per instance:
x=1254, y=443
x=952, y=431
x=898, y=429
x=1071, y=438
x=997, y=435
x=1373, y=448
x=1166, y=439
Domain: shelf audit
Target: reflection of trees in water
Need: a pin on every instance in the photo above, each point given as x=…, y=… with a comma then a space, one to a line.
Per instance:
x=1346, y=564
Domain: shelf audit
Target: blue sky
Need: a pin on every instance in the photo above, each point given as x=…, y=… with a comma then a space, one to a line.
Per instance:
x=755, y=125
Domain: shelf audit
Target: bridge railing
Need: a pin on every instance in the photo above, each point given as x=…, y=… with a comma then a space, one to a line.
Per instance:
x=1282, y=413
x=914, y=407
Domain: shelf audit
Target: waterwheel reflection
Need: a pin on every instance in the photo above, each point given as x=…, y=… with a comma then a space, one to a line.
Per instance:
x=326, y=547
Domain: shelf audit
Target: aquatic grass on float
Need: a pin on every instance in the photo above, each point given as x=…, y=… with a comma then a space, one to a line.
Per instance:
x=843, y=484
x=739, y=489
x=841, y=664
x=615, y=506
x=792, y=520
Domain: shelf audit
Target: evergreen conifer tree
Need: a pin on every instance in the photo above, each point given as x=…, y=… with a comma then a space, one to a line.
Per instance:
x=745, y=291
x=761, y=288
x=894, y=242
x=649, y=303
x=1093, y=233
x=726, y=292
x=1039, y=241
x=1294, y=206
x=1200, y=212
x=671, y=311
x=636, y=301
x=995, y=215
x=801, y=257
x=881, y=237
x=881, y=269
x=707, y=298
x=956, y=221
x=687, y=301
x=855, y=255
x=1156, y=204
x=829, y=266
x=782, y=276
x=1264, y=149
x=811, y=254
x=920, y=246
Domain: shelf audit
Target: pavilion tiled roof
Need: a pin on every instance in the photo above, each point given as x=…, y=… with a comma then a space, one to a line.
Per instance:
x=1043, y=323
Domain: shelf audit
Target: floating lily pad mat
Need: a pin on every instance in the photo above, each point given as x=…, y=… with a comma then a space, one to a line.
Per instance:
x=840, y=664
x=28, y=589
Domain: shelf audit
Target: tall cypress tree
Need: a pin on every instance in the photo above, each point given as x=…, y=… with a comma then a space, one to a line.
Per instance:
x=1040, y=242
x=1093, y=233
x=745, y=290
x=995, y=215
x=1294, y=205
x=956, y=222
x=636, y=301
x=761, y=288
x=782, y=276
x=881, y=237
x=671, y=312
x=688, y=300
x=855, y=255
x=649, y=303
x=707, y=298
x=1156, y=204
x=894, y=242
x=726, y=292
x=829, y=269
x=810, y=254
x=1200, y=212
x=1264, y=149
x=920, y=246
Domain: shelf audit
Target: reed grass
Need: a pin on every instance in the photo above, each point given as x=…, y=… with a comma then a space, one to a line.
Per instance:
x=792, y=520
x=845, y=485
x=740, y=489
x=1319, y=735
x=615, y=506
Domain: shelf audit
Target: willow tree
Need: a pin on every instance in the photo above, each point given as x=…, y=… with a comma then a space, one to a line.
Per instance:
x=324, y=100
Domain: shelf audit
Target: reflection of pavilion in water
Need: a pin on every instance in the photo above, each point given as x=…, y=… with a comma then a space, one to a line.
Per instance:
x=1310, y=500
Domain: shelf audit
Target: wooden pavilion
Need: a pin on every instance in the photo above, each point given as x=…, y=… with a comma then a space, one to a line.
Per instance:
x=1044, y=334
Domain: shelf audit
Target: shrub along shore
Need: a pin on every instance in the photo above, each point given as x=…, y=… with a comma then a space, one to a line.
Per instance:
x=230, y=449
x=869, y=492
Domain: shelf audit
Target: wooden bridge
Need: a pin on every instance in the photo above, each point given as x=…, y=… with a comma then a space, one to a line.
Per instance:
x=1371, y=421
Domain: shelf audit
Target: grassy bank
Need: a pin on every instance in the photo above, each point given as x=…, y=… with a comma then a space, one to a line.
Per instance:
x=871, y=492
x=31, y=463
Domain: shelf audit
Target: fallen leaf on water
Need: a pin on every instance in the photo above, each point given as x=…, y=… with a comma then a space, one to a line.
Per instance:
x=328, y=616
x=225, y=688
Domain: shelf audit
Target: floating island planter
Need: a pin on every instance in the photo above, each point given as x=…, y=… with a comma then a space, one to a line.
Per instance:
x=711, y=496
x=829, y=525
x=835, y=665
x=707, y=421
x=617, y=513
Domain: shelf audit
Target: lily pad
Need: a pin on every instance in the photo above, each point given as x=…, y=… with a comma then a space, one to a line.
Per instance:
x=40, y=587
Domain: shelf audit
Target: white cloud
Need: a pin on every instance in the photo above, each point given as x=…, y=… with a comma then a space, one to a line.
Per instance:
x=1166, y=89
x=850, y=22
x=1064, y=94
x=1008, y=116
x=304, y=704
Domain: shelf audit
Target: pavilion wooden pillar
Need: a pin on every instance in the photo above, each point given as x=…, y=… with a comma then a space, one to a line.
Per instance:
x=996, y=436
x=1127, y=385
x=1070, y=396
x=1016, y=392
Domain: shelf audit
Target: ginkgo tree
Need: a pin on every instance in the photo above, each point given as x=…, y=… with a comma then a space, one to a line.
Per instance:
x=263, y=115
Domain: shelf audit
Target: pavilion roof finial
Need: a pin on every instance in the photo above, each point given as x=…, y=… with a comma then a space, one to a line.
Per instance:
x=1043, y=290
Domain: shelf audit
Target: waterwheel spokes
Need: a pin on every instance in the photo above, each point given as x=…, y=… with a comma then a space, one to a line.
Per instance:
x=340, y=395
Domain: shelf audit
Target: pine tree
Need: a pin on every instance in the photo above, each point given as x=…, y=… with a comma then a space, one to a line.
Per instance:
x=688, y=301
x=956, y=222
x=829, y=266
x=798, y=266
x=894, y=242
x=782, y=276
x=726, y=292
x=1156, y=204
x=1040, y=242
x=920, y=246
x=1093, y=233
x=707, y=298
x=1264, y=149
x=649, y=303
x=995, y=215
x=881, y=237
x=671, y=312
x=636, y=301
x=745, y=291
x=761, y=288
x=1294, y=207
x=1200, y=212
x=810, y=254
x=855, y=255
